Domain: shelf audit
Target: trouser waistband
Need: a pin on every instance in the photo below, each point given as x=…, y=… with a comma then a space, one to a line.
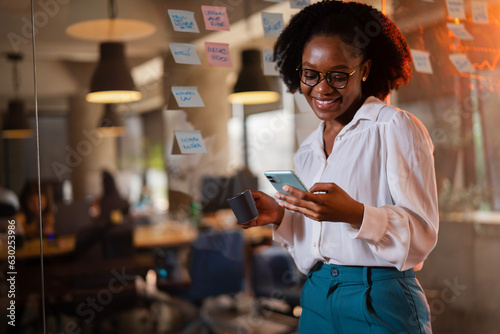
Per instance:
x=358, y=274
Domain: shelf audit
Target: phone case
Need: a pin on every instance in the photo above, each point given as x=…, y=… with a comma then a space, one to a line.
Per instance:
x=279, y=178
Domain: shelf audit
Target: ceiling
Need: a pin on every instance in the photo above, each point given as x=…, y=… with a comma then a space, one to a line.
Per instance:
x=57, y=54
x=64, y=64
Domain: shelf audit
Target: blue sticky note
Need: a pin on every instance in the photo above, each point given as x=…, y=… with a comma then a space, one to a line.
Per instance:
x=480, y=12
x=188, y=142
x=184, y=53
x=299, y=4
x=183, y=20
x=187, y=96
x=458, y=29
x=269, y=63
x=273, y=24
x=462, y=63
x=456, y=9
x=421, y=61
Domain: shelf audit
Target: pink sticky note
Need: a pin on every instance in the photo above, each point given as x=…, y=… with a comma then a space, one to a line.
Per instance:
x=218, y=54
x=215, y=18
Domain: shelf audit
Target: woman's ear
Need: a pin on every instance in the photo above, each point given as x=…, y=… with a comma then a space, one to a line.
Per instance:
x=365, y=70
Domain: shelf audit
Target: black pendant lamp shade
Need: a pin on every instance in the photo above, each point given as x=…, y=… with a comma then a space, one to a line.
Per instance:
x=15, y=122
x=110, y=124
x=252, y=86
x=112, y=82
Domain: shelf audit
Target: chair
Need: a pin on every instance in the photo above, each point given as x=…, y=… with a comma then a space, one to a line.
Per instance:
x=69, y=218
x=103, y=266
x=276, y=278
x=217, y=267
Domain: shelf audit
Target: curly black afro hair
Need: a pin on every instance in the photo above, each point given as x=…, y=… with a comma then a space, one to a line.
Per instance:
x=368, y=33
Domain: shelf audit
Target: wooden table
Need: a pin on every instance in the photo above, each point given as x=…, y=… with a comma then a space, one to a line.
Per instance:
x=170, y=234
x=148, y=236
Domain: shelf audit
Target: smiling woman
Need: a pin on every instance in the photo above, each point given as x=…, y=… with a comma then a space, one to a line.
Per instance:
x=371, y=214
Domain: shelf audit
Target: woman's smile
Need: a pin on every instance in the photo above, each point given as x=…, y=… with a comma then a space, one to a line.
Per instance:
x=326, y=103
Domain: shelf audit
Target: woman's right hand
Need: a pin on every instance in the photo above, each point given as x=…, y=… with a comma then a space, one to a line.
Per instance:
x=269, y=210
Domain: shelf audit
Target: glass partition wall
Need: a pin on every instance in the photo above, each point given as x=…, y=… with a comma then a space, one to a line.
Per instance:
x=127, y=182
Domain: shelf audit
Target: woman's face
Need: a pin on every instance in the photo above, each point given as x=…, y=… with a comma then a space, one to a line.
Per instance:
x=33, y=203
x=329, y=53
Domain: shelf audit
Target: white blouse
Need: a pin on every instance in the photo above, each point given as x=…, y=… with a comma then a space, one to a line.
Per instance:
x=383, y=159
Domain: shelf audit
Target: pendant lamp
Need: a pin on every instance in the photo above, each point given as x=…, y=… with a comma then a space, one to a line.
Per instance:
x=15, y=122
x=112, y=81
x=252, y=86
x=111, y=125
x=111, y=28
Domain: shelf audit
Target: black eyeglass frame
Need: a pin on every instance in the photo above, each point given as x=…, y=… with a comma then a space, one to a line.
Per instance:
x=325, y=75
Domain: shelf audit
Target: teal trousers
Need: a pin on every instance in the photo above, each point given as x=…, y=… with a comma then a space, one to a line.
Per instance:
x=358, y=300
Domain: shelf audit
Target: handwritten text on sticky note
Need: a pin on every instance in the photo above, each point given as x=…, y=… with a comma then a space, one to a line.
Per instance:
x=421, y=61
x=479, y=12
x=218, y=54
x=215, y=18
x=273, y=24
x=183, y=20
x=184, y=53
x=269, y=63
x=455, y=9
x=462, y=63
x=459, y=31
x=187, y=96
x=188, y=142
x=299, y=4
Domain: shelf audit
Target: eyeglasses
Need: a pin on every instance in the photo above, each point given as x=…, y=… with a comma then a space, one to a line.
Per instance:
x=335, y=79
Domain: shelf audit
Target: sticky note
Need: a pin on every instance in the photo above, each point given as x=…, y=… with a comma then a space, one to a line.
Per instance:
x=456, y=9
x=218, y=54
x=421, y=61
x=183, y=20
x=459, y=31
x=273, y=24
x=184, y=53
x=188, y=142
x=299, y=3
x=269, y=64
x=462, y=63
x=215, y=18
x=187, y=96
x=479, y=12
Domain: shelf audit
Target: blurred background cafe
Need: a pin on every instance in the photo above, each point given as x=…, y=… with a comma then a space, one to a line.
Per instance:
x=121, y=122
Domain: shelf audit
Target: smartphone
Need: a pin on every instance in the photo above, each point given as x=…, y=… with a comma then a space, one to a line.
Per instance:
x=280, y=178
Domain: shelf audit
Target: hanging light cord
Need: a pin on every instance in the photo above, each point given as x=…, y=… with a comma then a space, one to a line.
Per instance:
x=112, y=9
x=15, y=79
x=38, y=163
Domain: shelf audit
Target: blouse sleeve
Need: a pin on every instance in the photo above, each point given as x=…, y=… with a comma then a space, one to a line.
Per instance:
x=404, y=232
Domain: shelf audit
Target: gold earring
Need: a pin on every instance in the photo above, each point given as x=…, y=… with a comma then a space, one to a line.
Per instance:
x=364, y=78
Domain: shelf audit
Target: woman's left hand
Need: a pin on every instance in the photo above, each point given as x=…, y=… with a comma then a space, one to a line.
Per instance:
x=325, y=202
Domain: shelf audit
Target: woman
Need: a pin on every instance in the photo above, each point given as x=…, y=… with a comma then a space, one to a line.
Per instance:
x=371, y=215
x=111, y=208
x=29, y=215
